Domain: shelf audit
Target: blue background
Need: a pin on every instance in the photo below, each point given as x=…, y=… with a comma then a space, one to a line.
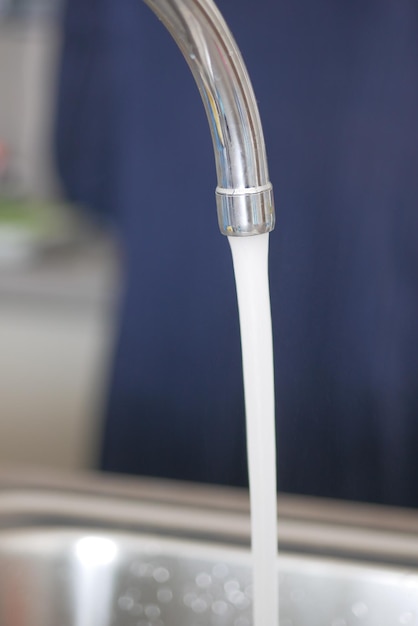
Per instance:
x=337, y=86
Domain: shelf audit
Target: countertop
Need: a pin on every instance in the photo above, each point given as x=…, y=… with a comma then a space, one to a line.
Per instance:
x=81, y=276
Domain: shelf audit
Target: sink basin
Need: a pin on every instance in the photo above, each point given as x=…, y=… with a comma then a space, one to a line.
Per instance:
x=85, y=576
x=144, y=553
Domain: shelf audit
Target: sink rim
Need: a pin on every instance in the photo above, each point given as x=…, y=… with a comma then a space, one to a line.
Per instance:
x=367, y=533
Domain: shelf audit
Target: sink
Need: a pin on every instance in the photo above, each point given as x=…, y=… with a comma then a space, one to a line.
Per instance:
x=107, y=552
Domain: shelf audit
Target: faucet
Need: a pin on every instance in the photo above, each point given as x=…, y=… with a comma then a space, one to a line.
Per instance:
x=244, y=195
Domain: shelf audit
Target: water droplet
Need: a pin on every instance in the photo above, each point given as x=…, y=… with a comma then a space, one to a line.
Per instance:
x=137, y=609
x=132, y=592
x=142, y=570
x=360, y=609
x=231, y=585
x=152, y=611
x=219, y=607
x=164, y=595
x=238, y=598
x=161, y=574
x=203, y=580
x=220, y=570
x=406, y=617
x=189, y=598
x=199, y=605
x=125, y=603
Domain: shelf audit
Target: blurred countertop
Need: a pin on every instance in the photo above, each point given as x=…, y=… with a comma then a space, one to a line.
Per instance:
x=80, y=276
x=57, y=329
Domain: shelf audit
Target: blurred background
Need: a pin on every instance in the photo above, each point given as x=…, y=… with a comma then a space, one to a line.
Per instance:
x=57, y=270
x=119, y=331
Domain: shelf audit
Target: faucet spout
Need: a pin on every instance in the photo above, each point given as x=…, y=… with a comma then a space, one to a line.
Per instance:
x=244, y=194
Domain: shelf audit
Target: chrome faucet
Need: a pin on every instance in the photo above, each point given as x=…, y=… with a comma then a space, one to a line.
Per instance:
x=244, y=194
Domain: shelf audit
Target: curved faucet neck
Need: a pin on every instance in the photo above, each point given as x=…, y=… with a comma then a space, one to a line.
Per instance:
x=244, y=193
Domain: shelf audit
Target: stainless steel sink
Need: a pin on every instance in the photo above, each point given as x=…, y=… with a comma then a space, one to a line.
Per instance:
x=102, y=552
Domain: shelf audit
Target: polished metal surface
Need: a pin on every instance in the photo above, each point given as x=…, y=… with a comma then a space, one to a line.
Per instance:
x=244, y=193
x=108, y=552
x=77, y=577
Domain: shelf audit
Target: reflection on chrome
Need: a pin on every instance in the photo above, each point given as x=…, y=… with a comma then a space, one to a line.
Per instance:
x=244, y=194
x=94, y=580
x=95, y=551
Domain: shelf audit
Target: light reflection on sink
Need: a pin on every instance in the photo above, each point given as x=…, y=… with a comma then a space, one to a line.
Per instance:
x=78, y=558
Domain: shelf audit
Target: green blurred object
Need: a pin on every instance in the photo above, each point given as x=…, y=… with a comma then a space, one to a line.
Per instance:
x=29, y=229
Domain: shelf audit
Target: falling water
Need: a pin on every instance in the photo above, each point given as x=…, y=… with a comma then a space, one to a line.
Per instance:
x=250, y=256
